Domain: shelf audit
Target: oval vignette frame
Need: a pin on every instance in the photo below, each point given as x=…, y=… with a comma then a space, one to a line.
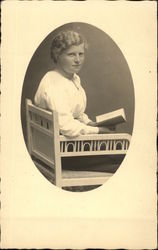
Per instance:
x=105, y=70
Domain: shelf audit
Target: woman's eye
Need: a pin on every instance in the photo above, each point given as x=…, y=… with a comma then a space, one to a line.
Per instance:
x=71, y=54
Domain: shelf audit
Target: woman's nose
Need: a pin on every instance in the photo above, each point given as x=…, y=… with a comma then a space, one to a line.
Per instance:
x=77, y=58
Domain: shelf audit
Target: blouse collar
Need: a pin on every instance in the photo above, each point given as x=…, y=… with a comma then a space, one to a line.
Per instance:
x=76, y=81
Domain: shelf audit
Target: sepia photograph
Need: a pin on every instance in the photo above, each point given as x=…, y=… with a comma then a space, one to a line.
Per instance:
x=77, y=73
x=78, y=125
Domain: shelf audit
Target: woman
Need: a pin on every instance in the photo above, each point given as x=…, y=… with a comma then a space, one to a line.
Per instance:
x=61, y=89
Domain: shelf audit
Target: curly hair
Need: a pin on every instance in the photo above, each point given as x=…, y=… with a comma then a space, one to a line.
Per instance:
x=64, y=40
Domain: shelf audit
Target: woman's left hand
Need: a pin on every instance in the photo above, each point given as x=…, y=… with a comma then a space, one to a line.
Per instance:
x=112, y=128
x=93, y=124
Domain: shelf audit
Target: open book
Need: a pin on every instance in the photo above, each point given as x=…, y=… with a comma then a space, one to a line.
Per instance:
x=111, y=118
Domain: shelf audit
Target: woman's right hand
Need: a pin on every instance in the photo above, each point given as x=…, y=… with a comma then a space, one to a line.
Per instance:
x=104, y=130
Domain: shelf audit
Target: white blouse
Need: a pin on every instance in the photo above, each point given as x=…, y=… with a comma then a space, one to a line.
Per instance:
x=68, y=98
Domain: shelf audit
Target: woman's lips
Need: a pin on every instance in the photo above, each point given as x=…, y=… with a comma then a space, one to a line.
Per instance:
x=77, y=65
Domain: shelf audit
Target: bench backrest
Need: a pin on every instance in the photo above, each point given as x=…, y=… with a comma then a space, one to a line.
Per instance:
x=42, y=133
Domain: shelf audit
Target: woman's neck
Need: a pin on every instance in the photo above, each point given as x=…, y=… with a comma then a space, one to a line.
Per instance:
x=65, y=74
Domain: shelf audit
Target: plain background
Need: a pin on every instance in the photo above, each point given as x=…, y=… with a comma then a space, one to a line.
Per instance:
x=105, y=75
x=121, y=213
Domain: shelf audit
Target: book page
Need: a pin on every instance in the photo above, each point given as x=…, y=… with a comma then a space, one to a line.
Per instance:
x=111, y=115
x=122, y=212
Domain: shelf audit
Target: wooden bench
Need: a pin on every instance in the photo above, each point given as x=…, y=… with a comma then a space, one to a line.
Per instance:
x=47, y=147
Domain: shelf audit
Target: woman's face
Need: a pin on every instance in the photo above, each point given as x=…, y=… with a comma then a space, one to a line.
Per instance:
x=71, y=60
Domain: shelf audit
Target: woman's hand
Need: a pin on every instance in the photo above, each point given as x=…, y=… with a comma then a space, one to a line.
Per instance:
x=105, y=130
x=93, y=124
x=112, y=128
